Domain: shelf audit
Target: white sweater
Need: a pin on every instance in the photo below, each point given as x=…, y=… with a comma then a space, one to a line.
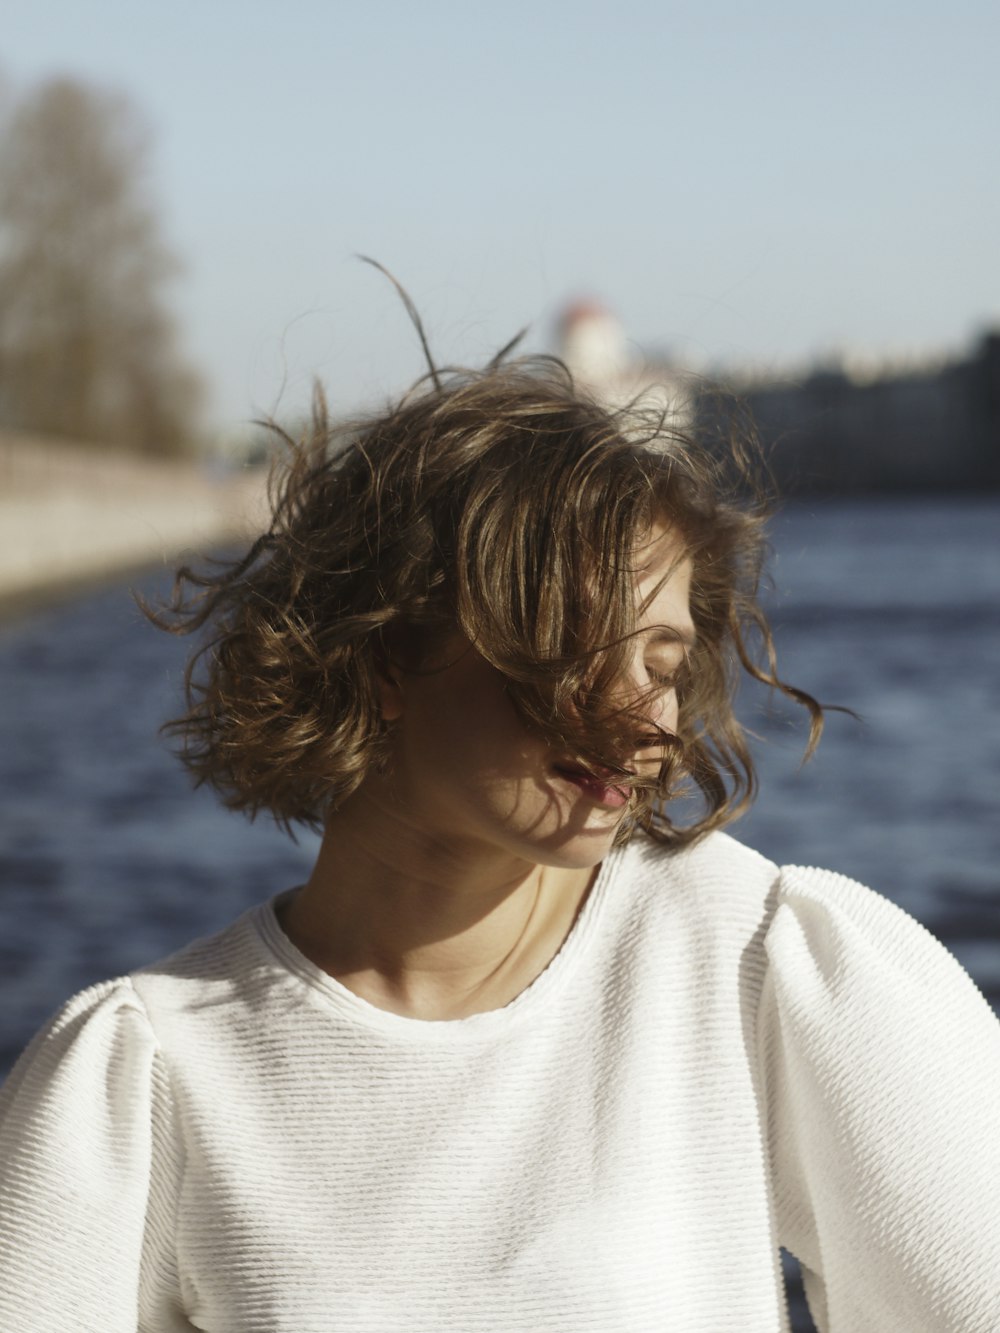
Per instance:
x=721, y=1059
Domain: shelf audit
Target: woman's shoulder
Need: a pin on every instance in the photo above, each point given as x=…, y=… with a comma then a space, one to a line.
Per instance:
x=215, y=956
x=716, y=863
x=716, y=883
x=135, y=1013
x=801, y=922
x=835, y=947
x=215, y=976
x=84, y=1036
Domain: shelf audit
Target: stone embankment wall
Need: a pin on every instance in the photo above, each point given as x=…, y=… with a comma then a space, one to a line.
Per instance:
x=72, y=516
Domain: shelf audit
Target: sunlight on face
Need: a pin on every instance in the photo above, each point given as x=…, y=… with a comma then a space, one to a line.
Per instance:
x=467, y=771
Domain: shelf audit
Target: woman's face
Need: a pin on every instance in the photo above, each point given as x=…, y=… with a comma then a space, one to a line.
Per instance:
x=467, y=771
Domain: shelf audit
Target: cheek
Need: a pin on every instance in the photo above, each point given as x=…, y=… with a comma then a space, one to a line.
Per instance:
x=498, y=743
x=462, y=726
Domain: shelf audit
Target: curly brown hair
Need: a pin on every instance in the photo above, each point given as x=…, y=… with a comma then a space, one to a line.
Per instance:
x=507, y=504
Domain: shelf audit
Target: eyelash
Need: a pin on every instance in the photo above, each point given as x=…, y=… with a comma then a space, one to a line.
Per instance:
x=666, y=679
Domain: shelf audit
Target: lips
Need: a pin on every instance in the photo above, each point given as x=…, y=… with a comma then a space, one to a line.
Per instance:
x=595, y=785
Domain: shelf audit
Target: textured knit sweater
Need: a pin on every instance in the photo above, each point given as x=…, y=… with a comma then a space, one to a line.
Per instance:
x=721, y=1059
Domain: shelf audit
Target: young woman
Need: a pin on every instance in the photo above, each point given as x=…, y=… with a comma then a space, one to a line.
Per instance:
x=522, y=1054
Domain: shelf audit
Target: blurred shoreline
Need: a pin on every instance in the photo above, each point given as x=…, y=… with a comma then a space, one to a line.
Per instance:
x=73, y=517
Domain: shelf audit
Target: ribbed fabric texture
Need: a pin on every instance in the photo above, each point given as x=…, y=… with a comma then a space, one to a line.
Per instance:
x=722, y=1058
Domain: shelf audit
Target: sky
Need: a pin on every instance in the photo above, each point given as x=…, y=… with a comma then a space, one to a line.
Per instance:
x=743, y=185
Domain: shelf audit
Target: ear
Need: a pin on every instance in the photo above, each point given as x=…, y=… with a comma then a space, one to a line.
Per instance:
x=388, y=683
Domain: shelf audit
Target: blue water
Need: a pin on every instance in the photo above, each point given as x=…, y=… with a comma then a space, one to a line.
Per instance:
x=107, y=859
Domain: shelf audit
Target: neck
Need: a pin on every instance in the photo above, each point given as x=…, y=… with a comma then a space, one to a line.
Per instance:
x=426, y=928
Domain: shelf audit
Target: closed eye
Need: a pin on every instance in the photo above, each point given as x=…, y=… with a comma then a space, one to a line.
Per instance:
x=664, y=678
x=668, y=678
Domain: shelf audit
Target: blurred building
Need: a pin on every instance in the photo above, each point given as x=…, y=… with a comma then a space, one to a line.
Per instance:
x=592, y=343
x=852, y=426
x=867, y=428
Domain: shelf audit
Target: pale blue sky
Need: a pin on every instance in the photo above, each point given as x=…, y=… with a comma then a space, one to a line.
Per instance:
x=739, y=183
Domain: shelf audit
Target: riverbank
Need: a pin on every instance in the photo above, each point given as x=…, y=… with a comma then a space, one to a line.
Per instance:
x=73, y=517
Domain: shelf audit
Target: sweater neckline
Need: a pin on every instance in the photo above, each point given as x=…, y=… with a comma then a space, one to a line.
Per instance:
x=361, y=1012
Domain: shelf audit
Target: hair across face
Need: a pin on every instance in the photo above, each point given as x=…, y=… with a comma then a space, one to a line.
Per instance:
x=468, y=768
x=508, y=508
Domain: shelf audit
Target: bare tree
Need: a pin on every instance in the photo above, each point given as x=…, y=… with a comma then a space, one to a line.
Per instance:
x=88, y=348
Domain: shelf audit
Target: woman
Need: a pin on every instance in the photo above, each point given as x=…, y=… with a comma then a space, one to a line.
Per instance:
x=521, y=1054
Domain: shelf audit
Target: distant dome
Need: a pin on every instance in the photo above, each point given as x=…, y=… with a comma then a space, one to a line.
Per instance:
x=583, y=310
x=592, y=341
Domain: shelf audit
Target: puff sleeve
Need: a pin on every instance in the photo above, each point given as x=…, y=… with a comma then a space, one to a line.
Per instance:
x=881, y=1067
x=86, y=1165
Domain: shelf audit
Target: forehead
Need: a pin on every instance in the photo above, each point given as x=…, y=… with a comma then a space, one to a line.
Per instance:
x=663, y=581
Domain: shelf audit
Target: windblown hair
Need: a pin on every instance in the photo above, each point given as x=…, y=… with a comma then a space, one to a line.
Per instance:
x=509, y=505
